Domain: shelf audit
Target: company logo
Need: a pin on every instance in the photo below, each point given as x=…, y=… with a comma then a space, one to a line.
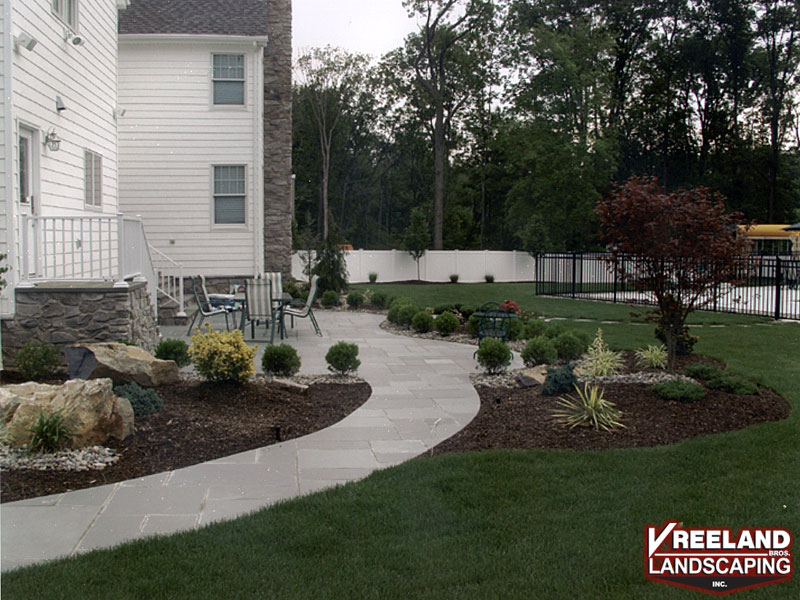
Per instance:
x=716, y=561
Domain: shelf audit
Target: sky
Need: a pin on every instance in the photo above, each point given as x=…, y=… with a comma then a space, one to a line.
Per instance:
x=369, y=26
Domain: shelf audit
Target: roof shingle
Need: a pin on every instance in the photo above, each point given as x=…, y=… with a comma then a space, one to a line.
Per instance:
x=202, y=17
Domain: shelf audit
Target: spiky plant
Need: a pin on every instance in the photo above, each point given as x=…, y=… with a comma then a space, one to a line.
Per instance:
x=589, y=409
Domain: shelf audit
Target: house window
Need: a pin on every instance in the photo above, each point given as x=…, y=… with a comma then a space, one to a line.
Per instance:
x=229, y=195
x=24, y=169
x=67, y=11
x=228, y=79
x=93, y=179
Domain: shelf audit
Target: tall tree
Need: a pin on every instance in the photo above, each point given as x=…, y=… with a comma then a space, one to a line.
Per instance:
x=332, y=79
x=446, y=59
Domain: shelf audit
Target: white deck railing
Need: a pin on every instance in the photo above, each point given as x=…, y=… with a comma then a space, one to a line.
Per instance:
x=96, y=248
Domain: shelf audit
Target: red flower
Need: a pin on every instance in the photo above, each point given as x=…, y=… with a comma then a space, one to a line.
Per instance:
x=511, y=307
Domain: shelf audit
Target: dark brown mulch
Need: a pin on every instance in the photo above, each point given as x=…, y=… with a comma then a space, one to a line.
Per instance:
x=201, y=422
x=522, y=418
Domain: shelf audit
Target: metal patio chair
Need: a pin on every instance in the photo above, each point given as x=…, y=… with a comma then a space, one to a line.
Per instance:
x=306, y=310
x=204, y=306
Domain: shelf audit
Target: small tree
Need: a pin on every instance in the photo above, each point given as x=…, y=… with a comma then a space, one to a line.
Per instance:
x=534, y=237
x=417, y=236
x=679, y=246
x=331, y=266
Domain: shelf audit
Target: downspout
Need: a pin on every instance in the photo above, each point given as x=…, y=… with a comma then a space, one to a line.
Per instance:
x=8, y=150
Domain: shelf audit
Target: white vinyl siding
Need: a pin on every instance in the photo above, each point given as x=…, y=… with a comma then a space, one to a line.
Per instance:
x=228, y=79
x=229, y=194
x=93, y=179
x=171, y=137
x=67, y=11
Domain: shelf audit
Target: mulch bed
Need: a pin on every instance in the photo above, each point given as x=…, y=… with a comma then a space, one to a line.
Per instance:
x=522, y=418
x=200, y=422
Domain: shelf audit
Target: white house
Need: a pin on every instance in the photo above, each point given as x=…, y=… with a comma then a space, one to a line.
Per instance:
x=192, y=138
x=58, y=131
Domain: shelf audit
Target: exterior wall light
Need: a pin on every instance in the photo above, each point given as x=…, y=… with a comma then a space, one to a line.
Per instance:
x=52, y=141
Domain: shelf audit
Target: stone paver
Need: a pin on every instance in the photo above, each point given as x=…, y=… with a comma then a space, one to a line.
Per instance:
x=421, y=395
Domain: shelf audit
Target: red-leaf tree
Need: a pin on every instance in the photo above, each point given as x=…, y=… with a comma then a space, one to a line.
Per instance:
x=679, y=246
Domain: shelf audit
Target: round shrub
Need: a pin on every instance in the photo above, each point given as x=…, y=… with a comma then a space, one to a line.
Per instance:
x=222, y=356
x=489, y=278
x=680, y=390
x=422, y=322
x=553, y=330
x=402, y=311
x=373, y=277
x=442, y=308
x=379, y=299
x=539, y=351
x=355, y=299
x=454, y=278
x=534, y=328
x=494, y=356
x=329, y=299
x=38, y=360
x=281, y=360
x=733, y=384
x=467, y=311
x=176, y=350
x=342, y=358
x=704, y=372
x=568, y=346
x=559, y=380
x=447, y=323
x=144, y=401
x=472, y=326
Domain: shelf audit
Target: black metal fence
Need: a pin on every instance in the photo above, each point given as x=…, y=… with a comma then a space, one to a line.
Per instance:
x=767, y=285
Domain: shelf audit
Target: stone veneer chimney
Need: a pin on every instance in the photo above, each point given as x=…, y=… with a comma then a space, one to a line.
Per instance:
x=278, y=138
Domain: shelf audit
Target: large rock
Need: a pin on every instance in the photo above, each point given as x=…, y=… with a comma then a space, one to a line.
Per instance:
x=119, y=362
x=93, y=411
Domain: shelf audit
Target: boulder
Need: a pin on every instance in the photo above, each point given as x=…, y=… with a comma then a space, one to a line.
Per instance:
x=119, y=362
x=91, y=408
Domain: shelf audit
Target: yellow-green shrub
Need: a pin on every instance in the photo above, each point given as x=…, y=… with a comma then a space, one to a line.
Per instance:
x=222, y=356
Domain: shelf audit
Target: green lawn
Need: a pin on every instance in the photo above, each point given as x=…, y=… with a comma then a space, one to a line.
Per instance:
x=512, y=524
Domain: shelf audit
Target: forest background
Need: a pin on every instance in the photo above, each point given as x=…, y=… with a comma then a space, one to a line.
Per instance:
x=505, y=122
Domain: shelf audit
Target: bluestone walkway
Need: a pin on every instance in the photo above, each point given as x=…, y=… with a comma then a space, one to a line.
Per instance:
x=421, y=395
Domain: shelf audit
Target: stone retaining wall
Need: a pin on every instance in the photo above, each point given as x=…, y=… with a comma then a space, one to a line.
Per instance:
x=63, y=314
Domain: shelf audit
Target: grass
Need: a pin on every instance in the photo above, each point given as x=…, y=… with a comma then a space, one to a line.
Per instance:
x=503, y=524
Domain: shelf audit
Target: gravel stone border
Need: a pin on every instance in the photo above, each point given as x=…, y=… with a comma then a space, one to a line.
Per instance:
x=94, y=458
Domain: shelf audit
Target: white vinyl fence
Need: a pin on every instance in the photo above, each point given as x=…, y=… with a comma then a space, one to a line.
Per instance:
x=436, y=265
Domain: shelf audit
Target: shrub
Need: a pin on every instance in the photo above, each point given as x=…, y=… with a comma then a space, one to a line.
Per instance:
x=554, y=330
x=516, y=329
x=590, y=408
x=568, y=346
x=373, y=277
x=602, y=360
x=176, y=350
x=684, y=344
x=38, y=360
x=454, y=278
x=447, y=323
x=291, y=288
x=402, y=311
x=538, y=351
x=222, y=356
x=472, y=326
x=559, y=380
x=379, y=299
x=733, y=384
x=329, y=299
x=355, y=299
x=342, y=358
x=489, y=278
x=281, y=360
x=652, y=357
x=331, y=266
x=494, y=356
x=422, y=322
x=704, y=372
x=680, y=390
x=144, y=401
x=51, y=432
x=534, y=328
x=467, y=311
x=442, y=308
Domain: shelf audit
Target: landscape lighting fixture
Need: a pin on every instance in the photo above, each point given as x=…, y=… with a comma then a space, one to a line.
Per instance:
x=60, y=104
x=52, y=141
x=73, y=38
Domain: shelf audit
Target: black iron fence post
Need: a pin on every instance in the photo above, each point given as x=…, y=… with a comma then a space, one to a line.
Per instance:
x=574, y=271
x=778, y=283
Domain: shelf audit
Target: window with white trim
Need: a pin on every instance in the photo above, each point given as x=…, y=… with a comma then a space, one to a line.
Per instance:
x=67, y=11
x=228, y=79
x=229, y=195
x=92, y=179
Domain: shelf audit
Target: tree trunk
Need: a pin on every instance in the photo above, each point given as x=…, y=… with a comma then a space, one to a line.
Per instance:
x=439, y=158
x=326, y=168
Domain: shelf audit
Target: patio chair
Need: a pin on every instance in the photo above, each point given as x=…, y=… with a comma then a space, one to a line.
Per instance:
x=258, y=302
x=306, y=310
x=204, y=307
x=218, y=300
